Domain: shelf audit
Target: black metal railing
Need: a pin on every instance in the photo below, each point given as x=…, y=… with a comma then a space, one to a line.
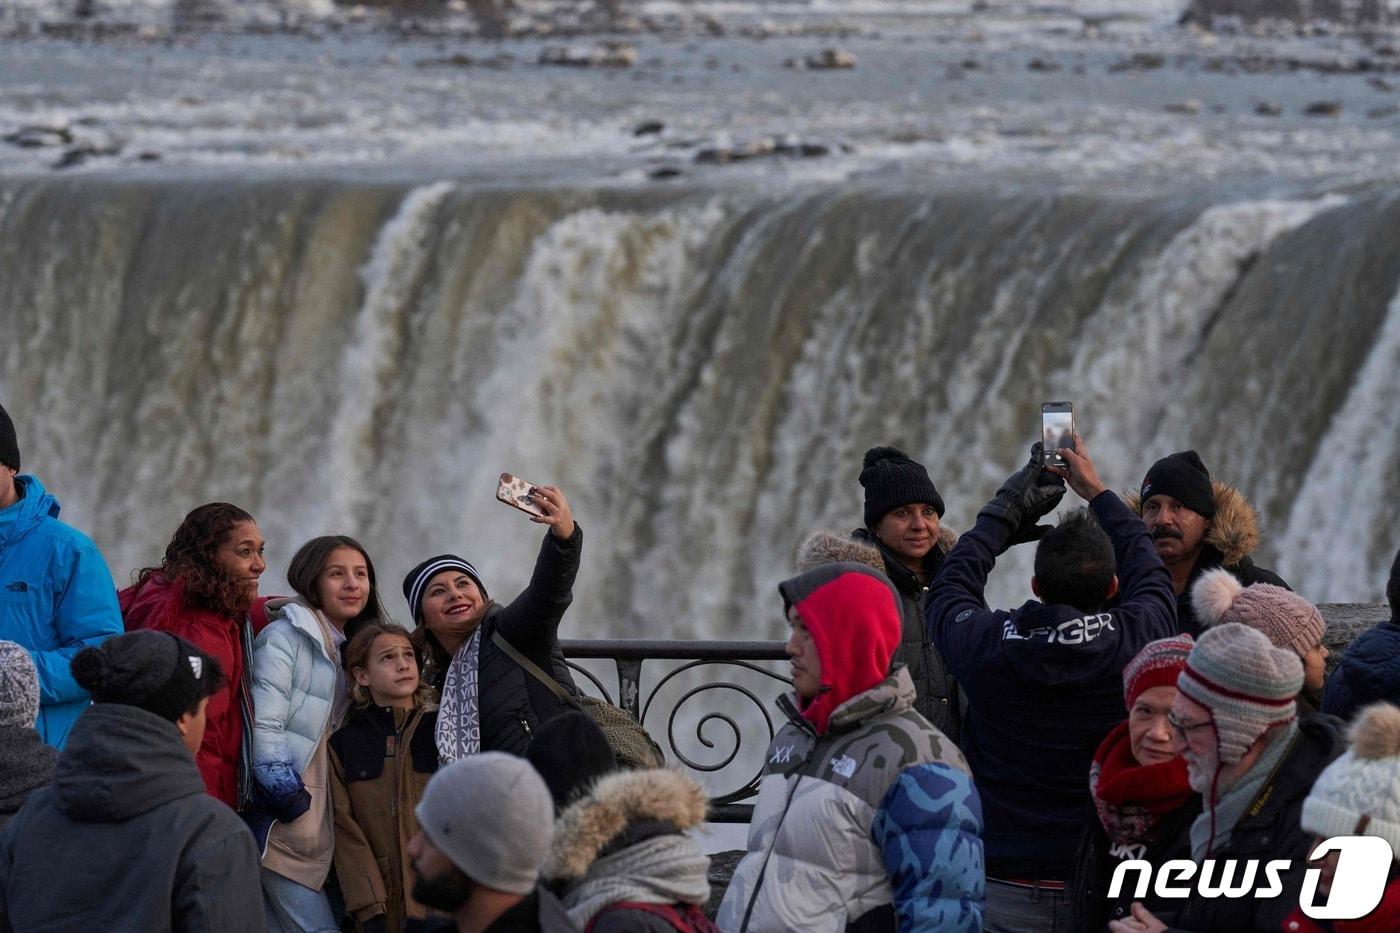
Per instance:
x=628, y=658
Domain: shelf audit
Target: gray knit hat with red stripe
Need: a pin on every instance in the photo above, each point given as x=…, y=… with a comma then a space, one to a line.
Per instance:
x=1248, y=685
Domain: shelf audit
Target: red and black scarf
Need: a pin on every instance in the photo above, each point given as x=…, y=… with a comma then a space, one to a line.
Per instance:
x=1131, y=799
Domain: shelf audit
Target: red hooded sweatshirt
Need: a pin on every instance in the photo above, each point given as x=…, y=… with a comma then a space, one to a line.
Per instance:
x=852, y=613
x=159, y=604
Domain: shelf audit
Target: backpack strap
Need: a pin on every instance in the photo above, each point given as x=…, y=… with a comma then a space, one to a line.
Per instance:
x=692, y=920
x=533, y=669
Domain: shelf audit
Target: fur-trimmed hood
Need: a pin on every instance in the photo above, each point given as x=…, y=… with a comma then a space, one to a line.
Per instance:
x=1234, y=531
x=618, y=800
x=830, y=547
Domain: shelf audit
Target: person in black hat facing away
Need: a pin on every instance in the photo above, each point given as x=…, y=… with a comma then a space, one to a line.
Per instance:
x=620, y=860
x=1044, y=681
x=56, y=594
x=903, y=538
x=1198, y=524
x=127, y=815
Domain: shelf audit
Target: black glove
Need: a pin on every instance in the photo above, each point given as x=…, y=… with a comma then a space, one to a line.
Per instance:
x=376, y=924
x=1027, y=532
x=1028, y=494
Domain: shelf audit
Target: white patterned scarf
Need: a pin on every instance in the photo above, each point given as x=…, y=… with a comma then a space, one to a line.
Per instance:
x=459, y=713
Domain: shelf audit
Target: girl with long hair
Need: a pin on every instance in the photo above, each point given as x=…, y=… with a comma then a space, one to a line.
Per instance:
x=206, y=591
x=298, y=700
x=381, y=760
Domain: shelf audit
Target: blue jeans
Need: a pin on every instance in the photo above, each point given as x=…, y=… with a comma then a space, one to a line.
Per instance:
x=293, y=907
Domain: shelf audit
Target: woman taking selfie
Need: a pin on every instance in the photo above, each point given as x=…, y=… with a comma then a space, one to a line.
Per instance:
x=488, y=702
x=206, y=591
x=299, y=698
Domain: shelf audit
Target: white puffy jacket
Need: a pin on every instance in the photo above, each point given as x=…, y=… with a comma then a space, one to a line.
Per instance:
x=297, y=685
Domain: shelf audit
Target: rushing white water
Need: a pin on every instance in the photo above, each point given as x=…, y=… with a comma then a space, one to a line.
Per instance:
x=1339, y=520
x=699, y=371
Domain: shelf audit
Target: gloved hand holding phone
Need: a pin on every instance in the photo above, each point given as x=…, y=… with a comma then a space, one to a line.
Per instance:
x=1027, y=495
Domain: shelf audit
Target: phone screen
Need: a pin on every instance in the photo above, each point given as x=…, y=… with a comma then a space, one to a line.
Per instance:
x=1056, y=429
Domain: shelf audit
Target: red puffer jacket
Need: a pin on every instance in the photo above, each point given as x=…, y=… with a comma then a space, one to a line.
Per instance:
x=159, y=604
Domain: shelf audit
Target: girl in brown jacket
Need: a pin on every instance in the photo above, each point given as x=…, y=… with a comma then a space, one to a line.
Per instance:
x=381, y=760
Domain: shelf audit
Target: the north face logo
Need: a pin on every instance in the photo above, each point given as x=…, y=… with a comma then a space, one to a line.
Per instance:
x=1146, y=488
x=844, y=766
x=19, y=586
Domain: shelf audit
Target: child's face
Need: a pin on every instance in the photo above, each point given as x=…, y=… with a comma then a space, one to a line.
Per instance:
x=390, y=672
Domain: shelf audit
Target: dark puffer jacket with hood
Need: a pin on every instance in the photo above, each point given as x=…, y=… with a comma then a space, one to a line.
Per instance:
x=1368, y=673
x=1233, y=536
x=127, y=839
x=937, y=699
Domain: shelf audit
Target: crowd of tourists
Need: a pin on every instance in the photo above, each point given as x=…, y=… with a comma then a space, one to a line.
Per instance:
x=187, y=754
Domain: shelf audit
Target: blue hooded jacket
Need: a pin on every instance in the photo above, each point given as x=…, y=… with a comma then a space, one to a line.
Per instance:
x=1369, y=672
x=56, y=598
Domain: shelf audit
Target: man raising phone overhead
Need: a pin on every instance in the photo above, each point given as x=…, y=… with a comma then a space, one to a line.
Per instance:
x=1044, y=681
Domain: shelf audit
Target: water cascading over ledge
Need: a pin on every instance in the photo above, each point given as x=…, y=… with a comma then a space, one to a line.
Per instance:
x=699, y=370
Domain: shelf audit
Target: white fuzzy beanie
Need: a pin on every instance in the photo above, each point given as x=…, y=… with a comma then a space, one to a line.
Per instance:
x=1359, y=793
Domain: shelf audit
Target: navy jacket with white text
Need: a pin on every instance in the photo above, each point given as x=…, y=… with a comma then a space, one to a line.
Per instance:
x=1044, y=684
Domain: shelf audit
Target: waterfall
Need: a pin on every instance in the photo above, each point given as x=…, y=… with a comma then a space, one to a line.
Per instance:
x=699, y=370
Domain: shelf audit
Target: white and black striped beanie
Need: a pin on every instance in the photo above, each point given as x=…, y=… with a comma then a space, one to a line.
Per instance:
x=1248, y=685
x=417, y=580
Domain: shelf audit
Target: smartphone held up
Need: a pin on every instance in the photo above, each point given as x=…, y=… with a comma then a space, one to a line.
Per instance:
x=1056, y=430
x=519, y=494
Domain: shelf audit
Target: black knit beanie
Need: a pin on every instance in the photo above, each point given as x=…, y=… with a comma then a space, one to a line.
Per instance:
x=571, y=753
x=1183, y=477
x=891, y=479
x=417, y=580
x=156, y=671
x=9, y=446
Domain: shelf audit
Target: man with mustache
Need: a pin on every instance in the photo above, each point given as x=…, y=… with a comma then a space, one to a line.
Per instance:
x=1198, y=524
x=1253, y=762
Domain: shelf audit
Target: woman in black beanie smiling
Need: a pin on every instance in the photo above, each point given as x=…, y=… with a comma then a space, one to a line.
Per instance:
x=488, y=701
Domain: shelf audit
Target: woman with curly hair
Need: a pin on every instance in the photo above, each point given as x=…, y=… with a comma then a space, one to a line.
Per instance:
x=206, y=591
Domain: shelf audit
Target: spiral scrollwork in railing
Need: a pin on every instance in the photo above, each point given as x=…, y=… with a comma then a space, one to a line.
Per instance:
x=629, y=657
x=750, y=787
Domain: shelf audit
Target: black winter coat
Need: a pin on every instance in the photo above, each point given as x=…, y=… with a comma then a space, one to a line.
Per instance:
x=1272, y=833
x=1244, y=570
x=26, y=764
x=1368, y=672
x=513, y=703
x=126, y=838
x=1093, y=870
x=937, y=699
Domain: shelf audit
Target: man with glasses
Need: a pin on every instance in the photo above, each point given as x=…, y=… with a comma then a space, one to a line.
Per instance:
x=1235, y=720
x=1044, y=681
